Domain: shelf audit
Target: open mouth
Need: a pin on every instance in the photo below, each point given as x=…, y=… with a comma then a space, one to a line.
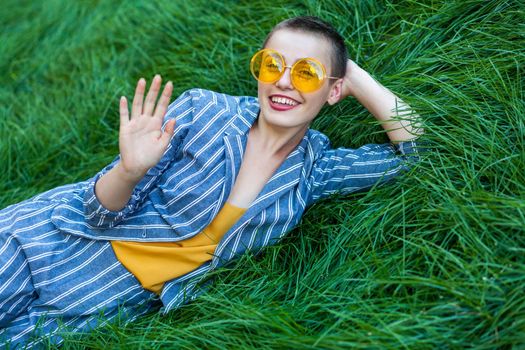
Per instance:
x=282, y=103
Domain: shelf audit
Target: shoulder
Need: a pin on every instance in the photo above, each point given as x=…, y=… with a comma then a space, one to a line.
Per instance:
x=317, y=144
x=218, y=108
x=206, y=109
x=201, y=98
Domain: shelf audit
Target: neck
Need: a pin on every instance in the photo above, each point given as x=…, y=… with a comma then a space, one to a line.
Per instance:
x=275, y=140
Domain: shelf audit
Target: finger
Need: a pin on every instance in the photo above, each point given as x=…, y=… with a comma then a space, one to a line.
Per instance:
x=170, y=127
x=124, y=112
x=136, y=108
x=168, y=132
x=164, y=100
x=151, y=97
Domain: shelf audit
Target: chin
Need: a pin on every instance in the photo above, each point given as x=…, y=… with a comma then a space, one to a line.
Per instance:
x=291, y=119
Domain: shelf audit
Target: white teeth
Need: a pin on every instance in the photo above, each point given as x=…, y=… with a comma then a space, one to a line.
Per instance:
x=283, y=101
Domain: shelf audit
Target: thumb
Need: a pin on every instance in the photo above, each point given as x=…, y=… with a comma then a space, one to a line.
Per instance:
x=168, y=131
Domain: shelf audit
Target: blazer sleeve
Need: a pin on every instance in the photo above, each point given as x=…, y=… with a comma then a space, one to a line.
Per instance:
x=96, y=215
x=344, y=170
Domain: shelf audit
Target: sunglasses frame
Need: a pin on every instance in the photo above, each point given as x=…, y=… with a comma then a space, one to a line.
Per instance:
x=284, y=66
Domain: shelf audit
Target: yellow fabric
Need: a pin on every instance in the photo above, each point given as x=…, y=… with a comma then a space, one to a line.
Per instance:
x=154, y=263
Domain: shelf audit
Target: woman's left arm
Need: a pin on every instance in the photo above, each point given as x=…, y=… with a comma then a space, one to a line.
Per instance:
x=400, y=122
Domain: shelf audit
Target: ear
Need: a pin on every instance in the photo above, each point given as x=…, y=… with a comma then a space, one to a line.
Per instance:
x=335, y=94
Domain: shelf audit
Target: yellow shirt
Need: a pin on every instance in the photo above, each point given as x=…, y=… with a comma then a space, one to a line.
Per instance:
x=154, y=263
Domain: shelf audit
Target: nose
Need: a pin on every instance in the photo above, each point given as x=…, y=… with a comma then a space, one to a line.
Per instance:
x=285, y=81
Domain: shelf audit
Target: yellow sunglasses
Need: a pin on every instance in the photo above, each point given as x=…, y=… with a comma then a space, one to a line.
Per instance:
x=307, y=74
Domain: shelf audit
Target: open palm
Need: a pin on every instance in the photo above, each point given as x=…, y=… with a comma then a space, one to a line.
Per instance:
x=142, y=141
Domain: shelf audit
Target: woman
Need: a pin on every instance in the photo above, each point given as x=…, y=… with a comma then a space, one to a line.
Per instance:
x=197, y=183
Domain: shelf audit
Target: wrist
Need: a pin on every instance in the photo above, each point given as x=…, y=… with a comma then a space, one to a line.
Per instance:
x=354, y=79
x=131, y=178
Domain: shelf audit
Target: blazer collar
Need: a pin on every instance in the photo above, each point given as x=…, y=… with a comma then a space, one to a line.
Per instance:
x=284, y=179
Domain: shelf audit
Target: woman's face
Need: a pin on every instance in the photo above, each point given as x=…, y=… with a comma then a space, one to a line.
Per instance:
x=281, y=104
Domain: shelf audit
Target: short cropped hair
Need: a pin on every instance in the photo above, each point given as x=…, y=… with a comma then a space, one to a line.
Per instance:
x=315, y=25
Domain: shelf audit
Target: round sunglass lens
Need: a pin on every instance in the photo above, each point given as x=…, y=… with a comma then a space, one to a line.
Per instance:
x=307, y=75
x=266, y=66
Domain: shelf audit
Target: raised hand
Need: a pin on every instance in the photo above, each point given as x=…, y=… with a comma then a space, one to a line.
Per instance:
x=348, y=79
x=142, y=141
x=398, y=119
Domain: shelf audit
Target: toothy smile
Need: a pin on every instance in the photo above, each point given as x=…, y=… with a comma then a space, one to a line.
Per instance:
x=283, y=101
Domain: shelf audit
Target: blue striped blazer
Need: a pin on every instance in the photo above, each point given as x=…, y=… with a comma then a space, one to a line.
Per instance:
x=186, y=189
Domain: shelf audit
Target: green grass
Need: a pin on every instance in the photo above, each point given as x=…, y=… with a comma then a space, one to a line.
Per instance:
x=436, y=260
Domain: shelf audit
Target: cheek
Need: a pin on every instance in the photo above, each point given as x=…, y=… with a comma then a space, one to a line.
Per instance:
x=261, y=89
x=318, y=99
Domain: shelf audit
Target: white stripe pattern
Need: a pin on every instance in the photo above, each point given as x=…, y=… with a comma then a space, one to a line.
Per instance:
x=176, y=200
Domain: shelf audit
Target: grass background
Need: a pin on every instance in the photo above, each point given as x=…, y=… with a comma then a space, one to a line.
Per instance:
x=435, y=260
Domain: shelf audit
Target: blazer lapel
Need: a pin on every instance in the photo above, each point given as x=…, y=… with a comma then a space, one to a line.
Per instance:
x=234, y=146
x=285, y=178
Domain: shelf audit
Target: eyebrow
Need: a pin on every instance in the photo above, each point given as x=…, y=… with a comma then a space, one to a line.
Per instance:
x=301, y=58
